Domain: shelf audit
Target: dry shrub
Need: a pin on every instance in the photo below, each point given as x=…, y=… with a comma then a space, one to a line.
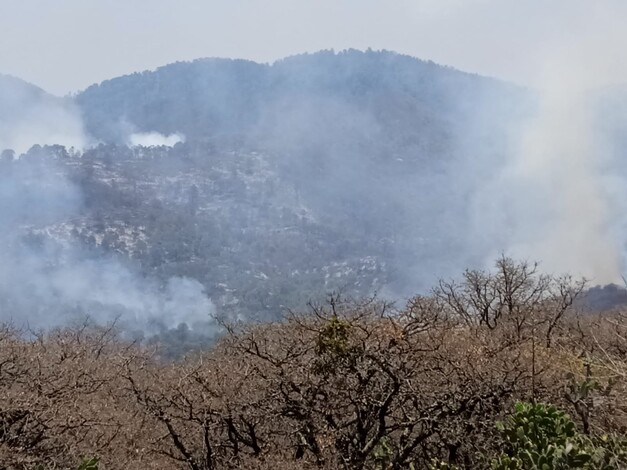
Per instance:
x=345, y=385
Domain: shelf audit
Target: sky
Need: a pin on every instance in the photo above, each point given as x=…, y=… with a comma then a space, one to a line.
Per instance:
x=66, y=45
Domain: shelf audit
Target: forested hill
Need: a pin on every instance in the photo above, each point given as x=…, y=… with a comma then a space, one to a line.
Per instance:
x=352, y=171
x=384, y=147
x=210, y=97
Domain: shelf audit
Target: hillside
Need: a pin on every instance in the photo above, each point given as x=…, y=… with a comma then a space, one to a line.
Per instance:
x=383, y=145
x=359, y=172
x=248, y=267
x=212, y=97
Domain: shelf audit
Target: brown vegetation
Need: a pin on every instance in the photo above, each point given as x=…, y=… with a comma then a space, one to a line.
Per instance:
x=345, y=385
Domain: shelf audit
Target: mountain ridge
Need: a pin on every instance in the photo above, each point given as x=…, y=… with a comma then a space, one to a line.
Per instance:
x=231, y=95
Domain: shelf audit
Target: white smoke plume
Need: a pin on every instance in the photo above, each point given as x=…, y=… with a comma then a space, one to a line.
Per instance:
x=29, y=116
x=557, y=199
x=154, y=139
x=48, y=280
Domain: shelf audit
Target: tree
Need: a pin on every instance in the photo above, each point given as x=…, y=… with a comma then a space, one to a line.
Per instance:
x=539, y=436
x=515, y=294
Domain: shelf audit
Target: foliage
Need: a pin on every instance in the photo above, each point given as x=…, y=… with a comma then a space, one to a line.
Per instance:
x=89, y=464
x=334, y=338
x=539, y=436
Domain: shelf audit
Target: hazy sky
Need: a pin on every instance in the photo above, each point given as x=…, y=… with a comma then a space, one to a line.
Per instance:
x=65, y=45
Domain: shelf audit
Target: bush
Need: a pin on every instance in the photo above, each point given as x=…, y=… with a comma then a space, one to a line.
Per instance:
x=540, y=436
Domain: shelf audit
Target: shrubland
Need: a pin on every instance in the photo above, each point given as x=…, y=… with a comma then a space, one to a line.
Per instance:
x=497, y=370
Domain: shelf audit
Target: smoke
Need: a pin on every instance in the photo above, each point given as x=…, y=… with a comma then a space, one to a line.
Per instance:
x=560, y=170
x=48, y=279
x=558, y=197
x=154, y=139
x=407, y=158
x=29, y=116
x=53, y=286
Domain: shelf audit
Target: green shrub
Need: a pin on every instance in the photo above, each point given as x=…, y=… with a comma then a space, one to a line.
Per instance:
x=539, y=436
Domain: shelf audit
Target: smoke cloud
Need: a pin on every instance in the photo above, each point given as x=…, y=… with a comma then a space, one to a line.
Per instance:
x=48, y=279
x=555, y=192
x=559, y=196
x=29, y=116
x=154, y=139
